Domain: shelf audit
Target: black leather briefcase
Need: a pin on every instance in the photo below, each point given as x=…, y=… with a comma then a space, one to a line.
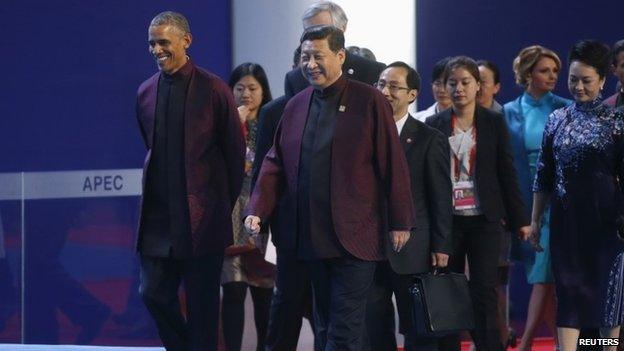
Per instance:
x=441, y=304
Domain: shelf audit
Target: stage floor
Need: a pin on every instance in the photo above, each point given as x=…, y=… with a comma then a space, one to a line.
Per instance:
x=540, y=344
x=16, y=347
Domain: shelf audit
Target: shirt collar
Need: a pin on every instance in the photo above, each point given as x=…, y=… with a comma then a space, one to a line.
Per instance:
x=434, y=108
x=401, y=122
x=496, y=106
x=183, y=73
x=538, y=102
x=332, y=89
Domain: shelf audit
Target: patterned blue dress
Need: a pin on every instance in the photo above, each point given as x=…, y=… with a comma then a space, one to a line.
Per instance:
x=579, y=165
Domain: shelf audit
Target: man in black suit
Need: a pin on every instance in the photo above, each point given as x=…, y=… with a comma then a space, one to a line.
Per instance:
x=427, y=153
x=292, y=297
x=354, y=67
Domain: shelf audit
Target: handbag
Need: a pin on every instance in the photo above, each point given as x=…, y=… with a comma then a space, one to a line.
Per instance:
x=441, y=304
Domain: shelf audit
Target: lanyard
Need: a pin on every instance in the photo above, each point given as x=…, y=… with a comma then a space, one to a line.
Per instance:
x=472, y=158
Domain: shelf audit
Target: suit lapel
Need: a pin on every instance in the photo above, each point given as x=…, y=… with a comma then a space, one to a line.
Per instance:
x=347, y=66
x=483, y=136
x=445, y=122
x=408, y=133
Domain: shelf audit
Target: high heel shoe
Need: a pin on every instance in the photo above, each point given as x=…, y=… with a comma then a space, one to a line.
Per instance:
x=512, y=339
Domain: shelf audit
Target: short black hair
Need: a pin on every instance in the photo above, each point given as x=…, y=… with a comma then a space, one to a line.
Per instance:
x=297, y=56
x=412, y=79
x=334, y=36
x=464, y=62
x=592, y=53
x=615, y=51
x=256, y=71
x=438, y=69
x=492, y=67
x=171, y=18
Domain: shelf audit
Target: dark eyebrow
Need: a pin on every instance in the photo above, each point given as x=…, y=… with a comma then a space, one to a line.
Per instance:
x=161, y=41
x=581, y=77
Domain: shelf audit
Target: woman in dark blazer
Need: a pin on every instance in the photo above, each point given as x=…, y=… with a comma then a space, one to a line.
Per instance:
x=485, y=193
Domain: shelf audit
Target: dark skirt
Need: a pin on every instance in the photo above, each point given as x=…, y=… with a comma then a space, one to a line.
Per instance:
x=588, y=267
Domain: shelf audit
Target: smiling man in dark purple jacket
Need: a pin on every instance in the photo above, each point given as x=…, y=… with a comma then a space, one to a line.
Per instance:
x=192, y=176
x=338, y=164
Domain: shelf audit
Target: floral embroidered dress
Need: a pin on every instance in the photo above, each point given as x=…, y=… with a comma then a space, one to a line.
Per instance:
x=579, y=165
x=248, y=267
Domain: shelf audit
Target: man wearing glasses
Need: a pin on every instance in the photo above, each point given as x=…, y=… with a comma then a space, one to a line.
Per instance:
x=442, y=98
x=427, y=154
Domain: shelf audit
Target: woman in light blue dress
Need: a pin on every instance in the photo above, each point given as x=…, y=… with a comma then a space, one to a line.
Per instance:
x=536, y=69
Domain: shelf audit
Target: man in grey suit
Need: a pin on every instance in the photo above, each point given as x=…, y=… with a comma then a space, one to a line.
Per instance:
x=427, y=154
x=354, y=67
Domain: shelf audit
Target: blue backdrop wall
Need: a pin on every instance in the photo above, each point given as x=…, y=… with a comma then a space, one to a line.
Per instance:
x=68, y=271
x=498, y=30
x=71, y=71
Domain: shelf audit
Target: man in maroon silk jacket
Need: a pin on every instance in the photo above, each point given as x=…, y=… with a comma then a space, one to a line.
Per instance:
x=338, y=163
x=192, y=176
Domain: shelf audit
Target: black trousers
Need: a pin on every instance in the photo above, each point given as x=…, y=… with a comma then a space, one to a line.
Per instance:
x=160, y=280
x=340, y=288
x=380, y=326
x=292, y=300
x=479, y=240
x=380, y=329
x=233, y=313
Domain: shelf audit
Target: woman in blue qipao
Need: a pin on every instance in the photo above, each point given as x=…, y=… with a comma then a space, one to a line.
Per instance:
x=577, y=172
x=536, y=69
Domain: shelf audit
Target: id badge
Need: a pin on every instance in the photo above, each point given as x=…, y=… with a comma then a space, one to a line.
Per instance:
x=464, y=196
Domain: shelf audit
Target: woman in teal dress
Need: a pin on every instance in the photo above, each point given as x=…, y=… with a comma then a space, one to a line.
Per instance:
x=536, y=69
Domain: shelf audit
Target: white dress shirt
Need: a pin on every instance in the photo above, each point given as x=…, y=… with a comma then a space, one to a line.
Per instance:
x=422, y=115
x=400, y=123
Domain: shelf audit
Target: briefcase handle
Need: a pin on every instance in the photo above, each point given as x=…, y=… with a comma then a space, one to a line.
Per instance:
x=440, y=270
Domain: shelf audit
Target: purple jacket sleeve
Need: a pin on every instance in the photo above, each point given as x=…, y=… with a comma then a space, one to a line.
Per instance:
x=231, y=139
x=270, y=184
